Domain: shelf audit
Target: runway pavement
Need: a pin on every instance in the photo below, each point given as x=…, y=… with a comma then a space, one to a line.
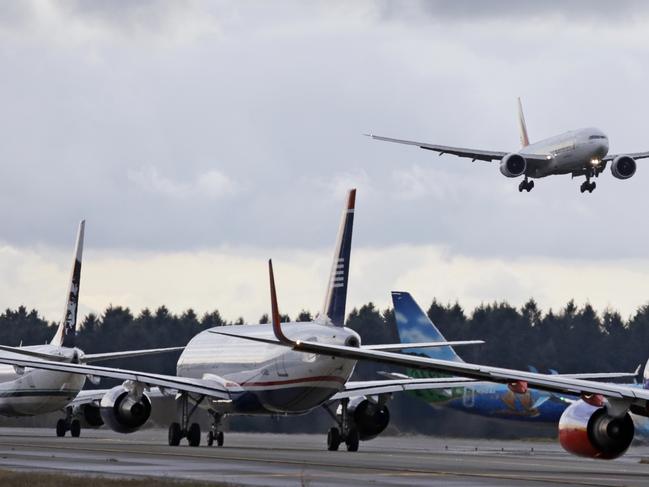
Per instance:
x=284, y=460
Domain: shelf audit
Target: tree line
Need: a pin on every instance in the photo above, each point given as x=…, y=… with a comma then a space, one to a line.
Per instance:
x=572, y=339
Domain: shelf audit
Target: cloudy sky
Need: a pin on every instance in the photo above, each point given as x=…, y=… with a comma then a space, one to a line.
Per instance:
x=200, y=138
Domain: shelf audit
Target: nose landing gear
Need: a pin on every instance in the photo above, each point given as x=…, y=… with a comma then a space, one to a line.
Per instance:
x=215, y=435
x=525, y=185
x=588, y=186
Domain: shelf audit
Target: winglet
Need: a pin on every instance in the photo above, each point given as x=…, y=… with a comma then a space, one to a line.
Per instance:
x=277, y=327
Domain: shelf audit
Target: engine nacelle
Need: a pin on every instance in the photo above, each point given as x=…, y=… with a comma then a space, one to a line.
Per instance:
x=89, y=415
x=623, y=167
x=589, y=431
x=371, y=418
x=513, y=165
x=124, y=412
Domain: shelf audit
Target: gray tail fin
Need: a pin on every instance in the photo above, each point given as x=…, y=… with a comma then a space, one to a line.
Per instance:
x=65, y=334
x=525, y=140
x=336, y=298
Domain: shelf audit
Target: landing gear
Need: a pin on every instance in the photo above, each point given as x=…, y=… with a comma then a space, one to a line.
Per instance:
x=345, y=432
x=66, y=424
x=215, y=434
x=525, y=185
x=178, y=431
x=588, y=186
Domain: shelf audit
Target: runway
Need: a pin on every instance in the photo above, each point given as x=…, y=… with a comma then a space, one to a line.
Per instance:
x=283, y=460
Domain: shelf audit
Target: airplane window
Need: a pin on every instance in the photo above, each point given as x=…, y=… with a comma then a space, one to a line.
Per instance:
x=596, y=137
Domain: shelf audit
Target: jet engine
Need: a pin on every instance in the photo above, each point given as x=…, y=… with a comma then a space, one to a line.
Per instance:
x=123, y=410
x=623, y=167
x=513, y=165
x=370, y=417
x=88, y=414
x=590, y=431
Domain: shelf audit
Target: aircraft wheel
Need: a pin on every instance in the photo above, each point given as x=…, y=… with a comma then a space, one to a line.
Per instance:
x=530, y=186
x=333, y=439
x=352, y=440
x=521, y=186
x=194, y=434
x=593, y=185
x=219, y=438
x=174, y=434
x=61, y=428
x=75, y=428
x=583, y=187
x=210, y=438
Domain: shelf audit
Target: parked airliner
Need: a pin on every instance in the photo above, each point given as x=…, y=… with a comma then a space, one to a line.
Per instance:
x=26, y=391
x=225, y=375
x=487, y=399
x=582, y=152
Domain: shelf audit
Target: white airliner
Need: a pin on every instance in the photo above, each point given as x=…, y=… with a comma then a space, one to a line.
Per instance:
x=582, y=152
x=226, y=375
x=29, y=392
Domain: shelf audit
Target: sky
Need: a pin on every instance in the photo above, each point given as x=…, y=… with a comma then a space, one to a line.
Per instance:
x=199, y=139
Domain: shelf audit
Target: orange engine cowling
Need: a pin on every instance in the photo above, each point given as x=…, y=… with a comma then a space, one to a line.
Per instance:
x=589, y=431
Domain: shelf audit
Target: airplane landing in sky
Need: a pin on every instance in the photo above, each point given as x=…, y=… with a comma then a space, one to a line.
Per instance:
x=582, y=152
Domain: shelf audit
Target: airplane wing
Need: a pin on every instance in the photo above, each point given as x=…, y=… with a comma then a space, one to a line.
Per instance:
x=214, y=387
x=355, y=388
x=473, y=154
x=615, y=394
x=91, y=357
x=635, y=155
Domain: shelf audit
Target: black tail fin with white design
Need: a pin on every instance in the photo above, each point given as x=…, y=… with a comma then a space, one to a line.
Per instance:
x=336, y=298
x=65, y=334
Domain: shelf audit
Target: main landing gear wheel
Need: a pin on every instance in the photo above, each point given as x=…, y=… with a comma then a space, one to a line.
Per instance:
x=333, y=439
x=178, y=431
x=346, y=430
x=61, y=428
x=75, y=428
x=175, y=435
x=352, y=439
x=525, y=185
x=588, y=186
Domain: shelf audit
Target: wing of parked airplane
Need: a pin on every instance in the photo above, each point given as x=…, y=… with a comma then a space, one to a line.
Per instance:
x=213, y=387
x=90, y=357
x=355, y=388
x=474, y=154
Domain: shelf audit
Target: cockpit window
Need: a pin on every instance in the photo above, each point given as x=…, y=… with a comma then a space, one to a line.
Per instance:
x=592, y=137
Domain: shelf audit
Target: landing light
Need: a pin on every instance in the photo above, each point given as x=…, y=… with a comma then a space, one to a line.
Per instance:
x=595, y=162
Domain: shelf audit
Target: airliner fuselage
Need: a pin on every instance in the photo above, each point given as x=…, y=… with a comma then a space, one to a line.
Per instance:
x=265, y=378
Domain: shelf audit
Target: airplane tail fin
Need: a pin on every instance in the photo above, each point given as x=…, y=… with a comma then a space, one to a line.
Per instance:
x=65, y=334
x=525, y=140
x=414, y=326
x=336, y=297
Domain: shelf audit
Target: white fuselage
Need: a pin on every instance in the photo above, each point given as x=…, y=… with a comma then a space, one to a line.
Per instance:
x=568, y=152
x=28, y=392
x=265, y=378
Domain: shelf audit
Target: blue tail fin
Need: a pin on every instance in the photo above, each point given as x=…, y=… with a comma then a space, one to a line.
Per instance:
x=336, y=298
x=414, y=326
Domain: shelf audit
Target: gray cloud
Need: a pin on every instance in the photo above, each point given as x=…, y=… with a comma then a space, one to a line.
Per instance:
x=248, y=133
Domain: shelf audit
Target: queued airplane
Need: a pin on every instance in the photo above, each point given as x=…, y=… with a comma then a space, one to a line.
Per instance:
x=597, y=425
x=486, y=399
x=227, y=376
x=582, y=152
x=26, y=391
